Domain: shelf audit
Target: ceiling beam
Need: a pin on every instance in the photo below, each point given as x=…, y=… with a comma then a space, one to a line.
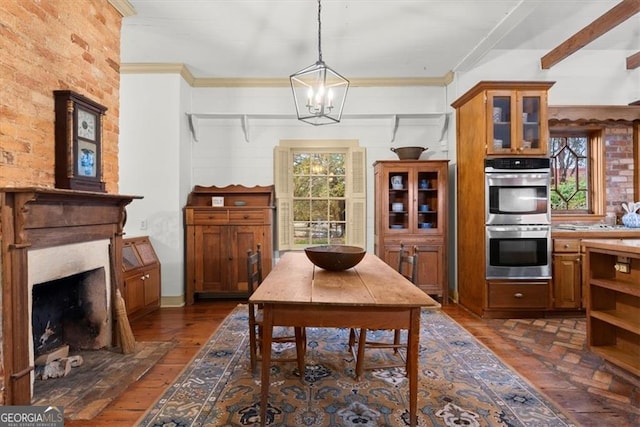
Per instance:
x=618, y=14
x=509, y=23
x=633, y=61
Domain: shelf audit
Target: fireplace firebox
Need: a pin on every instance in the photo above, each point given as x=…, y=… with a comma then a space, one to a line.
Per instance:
x=70, y=311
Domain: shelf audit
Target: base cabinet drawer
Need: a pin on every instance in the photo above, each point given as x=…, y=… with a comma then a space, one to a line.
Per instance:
x=508, y=295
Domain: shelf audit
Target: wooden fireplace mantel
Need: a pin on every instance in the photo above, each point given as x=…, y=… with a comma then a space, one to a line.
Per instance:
x=33, y=218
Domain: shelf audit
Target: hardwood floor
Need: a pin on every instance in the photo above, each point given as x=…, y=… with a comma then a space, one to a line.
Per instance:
x=549, y=353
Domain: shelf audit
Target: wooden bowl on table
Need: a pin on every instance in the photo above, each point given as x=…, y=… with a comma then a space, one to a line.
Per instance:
x=335, y=257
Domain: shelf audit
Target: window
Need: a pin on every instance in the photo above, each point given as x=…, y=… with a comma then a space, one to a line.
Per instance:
x=577, y=170
x=320, y=193
x=318, y=197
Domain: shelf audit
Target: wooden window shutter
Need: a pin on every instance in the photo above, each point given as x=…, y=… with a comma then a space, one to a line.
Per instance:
x=284, y=205
x=357, y=200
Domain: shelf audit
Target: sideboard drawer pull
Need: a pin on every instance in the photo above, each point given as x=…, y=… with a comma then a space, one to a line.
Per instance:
x=518, y=295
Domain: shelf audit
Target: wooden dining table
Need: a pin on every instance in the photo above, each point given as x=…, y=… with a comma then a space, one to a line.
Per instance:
x=370, y=295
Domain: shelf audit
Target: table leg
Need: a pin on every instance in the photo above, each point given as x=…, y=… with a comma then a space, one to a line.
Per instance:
x=301, y=346
x=362, y=343
x=412, y=363
x=267, y=331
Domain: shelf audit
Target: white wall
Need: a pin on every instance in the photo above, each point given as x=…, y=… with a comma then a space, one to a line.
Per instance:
x=153, y=146
x=160, y=161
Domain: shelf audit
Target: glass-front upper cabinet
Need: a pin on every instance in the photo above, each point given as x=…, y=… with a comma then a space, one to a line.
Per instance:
x=517, y=122
x=411, y=197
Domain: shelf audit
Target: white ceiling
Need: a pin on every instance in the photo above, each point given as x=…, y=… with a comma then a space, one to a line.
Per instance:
x=360, y=38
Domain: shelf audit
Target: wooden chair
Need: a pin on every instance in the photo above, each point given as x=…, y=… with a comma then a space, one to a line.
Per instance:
x=408, y=267
x=254, y=278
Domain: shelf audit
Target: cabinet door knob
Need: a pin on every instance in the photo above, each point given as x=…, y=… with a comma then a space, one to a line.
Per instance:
x=518, y=295
x=566, y=245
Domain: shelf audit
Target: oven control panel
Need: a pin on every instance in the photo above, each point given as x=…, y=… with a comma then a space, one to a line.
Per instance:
x=510, y=163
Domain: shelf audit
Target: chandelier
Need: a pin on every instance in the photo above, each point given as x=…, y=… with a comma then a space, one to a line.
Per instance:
x=318, y=91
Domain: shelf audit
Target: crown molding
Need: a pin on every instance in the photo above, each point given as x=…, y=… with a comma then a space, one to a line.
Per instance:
x=183, y=70
x=124, y=7
x=158, y=68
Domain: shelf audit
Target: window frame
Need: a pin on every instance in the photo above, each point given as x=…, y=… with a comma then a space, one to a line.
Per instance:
x=597, y=180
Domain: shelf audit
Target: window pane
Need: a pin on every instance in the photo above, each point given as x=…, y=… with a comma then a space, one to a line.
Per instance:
x=336, y=164
x=301, y=210
x=337, y=186
x=301, y=186
x=336, y=210
x=319, y=210
x=301, y=163
x=318, y=164
x=319, y=187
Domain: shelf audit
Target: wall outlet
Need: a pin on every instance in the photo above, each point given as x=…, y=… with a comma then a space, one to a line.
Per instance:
x=143, y=224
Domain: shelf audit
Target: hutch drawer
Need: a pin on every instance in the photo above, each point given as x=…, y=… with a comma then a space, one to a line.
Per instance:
x=254, y=216
x=210, y=217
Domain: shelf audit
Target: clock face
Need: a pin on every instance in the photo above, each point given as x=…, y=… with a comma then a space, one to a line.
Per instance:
x=86, y=124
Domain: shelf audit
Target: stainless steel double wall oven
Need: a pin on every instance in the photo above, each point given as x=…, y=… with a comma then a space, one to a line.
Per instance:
x=518, y=218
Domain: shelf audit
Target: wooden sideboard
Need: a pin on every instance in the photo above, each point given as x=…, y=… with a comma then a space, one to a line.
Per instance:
x=218, y=237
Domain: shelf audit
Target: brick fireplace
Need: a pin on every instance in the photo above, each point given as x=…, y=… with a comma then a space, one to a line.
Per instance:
x=45, y=235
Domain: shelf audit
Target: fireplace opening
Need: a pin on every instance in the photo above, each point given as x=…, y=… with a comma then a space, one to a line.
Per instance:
x=71, y=311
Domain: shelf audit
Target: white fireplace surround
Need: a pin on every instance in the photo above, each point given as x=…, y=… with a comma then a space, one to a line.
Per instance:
x=57, y=262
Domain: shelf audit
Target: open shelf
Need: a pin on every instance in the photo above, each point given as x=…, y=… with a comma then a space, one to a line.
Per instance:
x=627, y=321
x=619, y=357
x=613, y=309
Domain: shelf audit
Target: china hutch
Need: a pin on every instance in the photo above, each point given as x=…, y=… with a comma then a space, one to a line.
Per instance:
x=221, y=224
x=495, y=118
x=411, y=203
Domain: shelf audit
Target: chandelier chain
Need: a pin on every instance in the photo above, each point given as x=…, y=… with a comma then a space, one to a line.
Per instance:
x=319, y=33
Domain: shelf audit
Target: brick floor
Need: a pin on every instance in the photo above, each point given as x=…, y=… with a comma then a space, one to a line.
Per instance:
x=560, y=343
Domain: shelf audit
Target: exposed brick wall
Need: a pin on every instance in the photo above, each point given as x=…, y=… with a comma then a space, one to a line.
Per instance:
x=48, y=45
x=619, y=166
x=45, y=46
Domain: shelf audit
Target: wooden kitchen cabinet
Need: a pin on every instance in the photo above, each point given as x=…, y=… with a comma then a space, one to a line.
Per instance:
x=218, y=237
x=613, y=301
x=567, y=274
x=476, y=131
x=141, y=277
x=414, y=213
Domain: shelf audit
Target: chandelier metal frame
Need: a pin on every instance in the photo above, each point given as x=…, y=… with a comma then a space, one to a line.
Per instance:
x=319, y=91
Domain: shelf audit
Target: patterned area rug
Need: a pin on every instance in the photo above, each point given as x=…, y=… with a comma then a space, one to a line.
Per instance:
x=461, y=382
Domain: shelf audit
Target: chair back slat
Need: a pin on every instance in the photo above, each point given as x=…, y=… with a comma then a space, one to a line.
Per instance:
x=408, y=264
x=254, y=269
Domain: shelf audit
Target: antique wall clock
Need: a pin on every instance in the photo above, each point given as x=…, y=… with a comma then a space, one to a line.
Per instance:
x=78, y=135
